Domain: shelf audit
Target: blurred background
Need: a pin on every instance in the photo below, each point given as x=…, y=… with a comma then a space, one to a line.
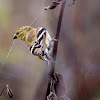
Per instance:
x=78, y=56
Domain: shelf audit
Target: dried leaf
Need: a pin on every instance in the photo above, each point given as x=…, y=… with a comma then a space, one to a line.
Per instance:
x=64, y=98
x=59, y=85
x=52, y=96
x=57, y=88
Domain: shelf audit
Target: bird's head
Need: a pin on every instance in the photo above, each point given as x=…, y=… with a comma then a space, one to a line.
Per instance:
x=21, y=33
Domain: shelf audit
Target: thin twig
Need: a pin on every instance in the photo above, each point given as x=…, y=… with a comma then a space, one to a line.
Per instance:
x=2, y=63
x=2, y=90
x=55, y=46
x=37, y=17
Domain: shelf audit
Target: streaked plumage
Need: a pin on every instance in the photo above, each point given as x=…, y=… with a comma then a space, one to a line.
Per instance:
x=38, y=39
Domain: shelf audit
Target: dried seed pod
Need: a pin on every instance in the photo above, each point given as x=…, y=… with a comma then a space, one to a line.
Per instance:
x=72, y=3
x=53, y=5
x=9, y=91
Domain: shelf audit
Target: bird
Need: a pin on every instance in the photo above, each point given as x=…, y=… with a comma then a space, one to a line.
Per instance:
x=38, y=40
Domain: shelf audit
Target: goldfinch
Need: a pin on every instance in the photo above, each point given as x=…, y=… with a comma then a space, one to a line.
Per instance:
x=38, y=40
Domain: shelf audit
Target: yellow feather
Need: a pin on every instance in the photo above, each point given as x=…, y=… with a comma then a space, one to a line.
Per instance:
x=29, y=35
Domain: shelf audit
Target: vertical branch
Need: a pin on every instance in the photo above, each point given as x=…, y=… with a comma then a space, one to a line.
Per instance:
x=57, y=37
x=55, y=46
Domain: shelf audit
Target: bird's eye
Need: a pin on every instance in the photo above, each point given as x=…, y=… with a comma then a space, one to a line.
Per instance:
x=17, y=33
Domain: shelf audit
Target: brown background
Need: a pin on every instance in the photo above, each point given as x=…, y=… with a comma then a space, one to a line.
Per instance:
x=78, y=56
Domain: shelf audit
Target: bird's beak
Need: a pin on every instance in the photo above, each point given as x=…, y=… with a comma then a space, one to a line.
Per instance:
x=15, y=37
